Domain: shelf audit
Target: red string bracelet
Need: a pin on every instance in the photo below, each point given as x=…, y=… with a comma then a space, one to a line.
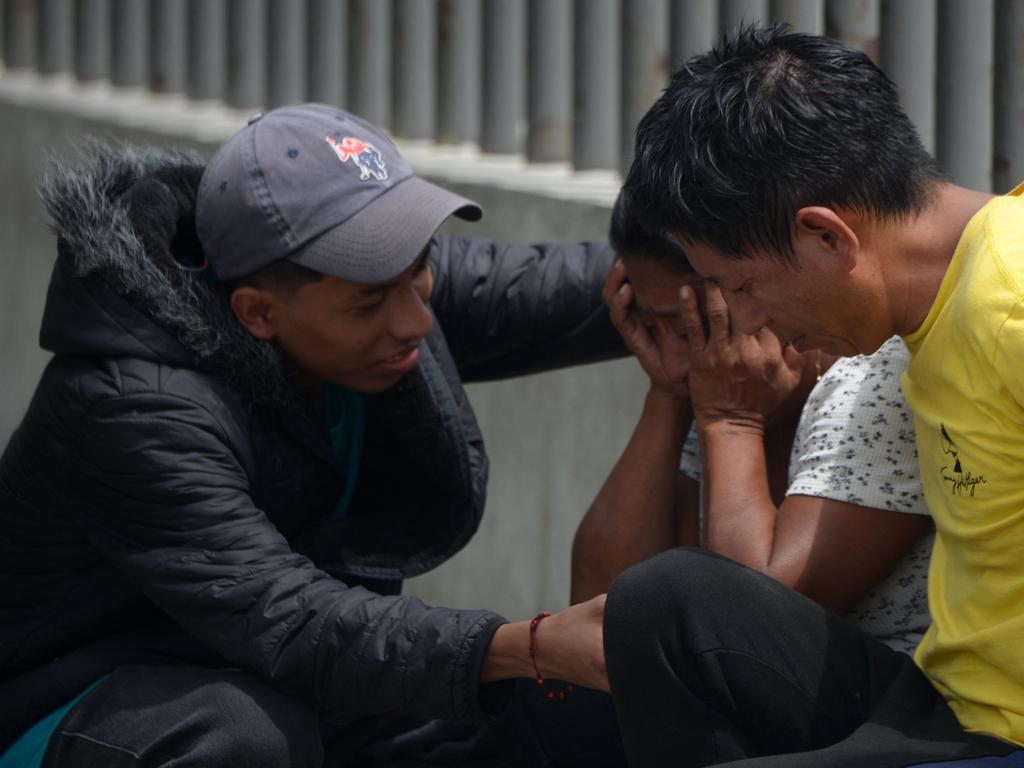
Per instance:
x=534, y=623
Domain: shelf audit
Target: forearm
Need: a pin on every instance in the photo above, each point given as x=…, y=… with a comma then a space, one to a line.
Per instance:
x=567, y=646
x=632, y=517
x=508, y=655
x=739, y=515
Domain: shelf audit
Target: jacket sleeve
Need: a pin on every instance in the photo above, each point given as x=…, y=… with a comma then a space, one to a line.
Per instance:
x=166, y=500
x=510, y=310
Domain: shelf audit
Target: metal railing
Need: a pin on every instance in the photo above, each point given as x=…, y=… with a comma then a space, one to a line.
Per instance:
x=557, y=81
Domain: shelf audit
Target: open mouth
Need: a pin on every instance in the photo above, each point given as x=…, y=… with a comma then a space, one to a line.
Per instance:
x=403, y=361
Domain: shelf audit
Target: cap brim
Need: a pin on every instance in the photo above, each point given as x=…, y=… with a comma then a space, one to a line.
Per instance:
x=385, y=237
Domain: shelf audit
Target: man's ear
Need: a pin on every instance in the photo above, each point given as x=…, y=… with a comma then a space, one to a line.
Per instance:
x=256, y=309
x=826, y=231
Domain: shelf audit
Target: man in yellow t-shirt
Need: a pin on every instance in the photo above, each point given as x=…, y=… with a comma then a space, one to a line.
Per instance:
x=965, y=384
x=785, y=167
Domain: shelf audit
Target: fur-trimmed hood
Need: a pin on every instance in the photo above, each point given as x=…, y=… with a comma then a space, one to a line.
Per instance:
x=108, y=297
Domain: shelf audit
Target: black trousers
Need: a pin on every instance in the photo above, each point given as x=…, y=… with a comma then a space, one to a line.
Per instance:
x=191, y=717
x=711, y=662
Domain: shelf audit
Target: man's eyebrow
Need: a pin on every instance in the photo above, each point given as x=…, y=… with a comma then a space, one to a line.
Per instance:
x=368, y=290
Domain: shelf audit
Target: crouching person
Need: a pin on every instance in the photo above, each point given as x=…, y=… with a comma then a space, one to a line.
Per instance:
x=251, y=431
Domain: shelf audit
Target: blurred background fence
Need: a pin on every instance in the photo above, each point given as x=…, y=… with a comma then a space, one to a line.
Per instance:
x=558, y=81
x=528, y=106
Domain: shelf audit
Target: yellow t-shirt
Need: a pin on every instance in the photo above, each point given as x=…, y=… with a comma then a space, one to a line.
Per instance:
x=965, y=386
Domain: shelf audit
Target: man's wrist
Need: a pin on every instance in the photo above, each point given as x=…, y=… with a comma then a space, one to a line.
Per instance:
x=668, y=398
x=508, y=655
x=722, y=424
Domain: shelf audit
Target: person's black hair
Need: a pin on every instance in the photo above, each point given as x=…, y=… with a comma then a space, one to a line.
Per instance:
x=283, y=277
x=631, y=239
x=768, y=122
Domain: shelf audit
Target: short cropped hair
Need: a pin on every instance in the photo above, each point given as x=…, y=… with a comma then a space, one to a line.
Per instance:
x=631, y=239
x=764, y=124
x=282, y=277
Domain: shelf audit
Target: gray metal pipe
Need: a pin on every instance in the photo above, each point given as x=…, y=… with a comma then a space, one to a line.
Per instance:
x=415, y=85
x=855, y=22
x=1008, y=157
x=327, y=62
x=168, y=46
x=286, y=48
x=695, y=28
x=907, y=56
x=737, y=12
x=370, y=63
x=803, y=15
x=597, y=82
x=20, y=36
x=460, y=64
x=56, y=36
x=644, y=65
x=92, y=43
x=247, y=53
x=129, y=60
x=504, y=76
x=549, y=104
x=208, y=44
x=965, y=87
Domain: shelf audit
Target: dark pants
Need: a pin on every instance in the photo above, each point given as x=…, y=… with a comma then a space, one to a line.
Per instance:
x=185, y=716
x=711, y=662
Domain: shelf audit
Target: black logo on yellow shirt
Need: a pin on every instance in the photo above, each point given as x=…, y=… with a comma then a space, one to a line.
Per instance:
x=960, y=482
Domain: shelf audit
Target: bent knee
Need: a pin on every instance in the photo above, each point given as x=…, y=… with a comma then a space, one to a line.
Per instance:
x=262, y=727
x=669, y=593
x=667, y=581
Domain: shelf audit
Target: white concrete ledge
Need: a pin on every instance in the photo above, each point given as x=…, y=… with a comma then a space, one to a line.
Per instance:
x=211, y=122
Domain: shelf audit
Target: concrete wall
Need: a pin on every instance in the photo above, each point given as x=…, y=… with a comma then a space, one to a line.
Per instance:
x=552, y=438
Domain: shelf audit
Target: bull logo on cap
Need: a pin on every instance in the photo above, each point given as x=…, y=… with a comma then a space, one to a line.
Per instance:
x=366, y=157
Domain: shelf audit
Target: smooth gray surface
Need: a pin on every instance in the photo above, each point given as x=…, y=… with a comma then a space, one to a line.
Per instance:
x=129, y=56
x=734, y=13
x=459, y=73
x=1008, y=152
x=169, y=46
x=504, y=101
x=56, y=36
x=965, y=83
x=645, y=40
x=855, y=22
x=286, y=53
x=804, y=15
x=327, y=61
x=549, y=138
x=92, y=39
x=908, y=31
x=597, y=83
x=415, y=85
x=207, y=49
x=247, y=53
x=20, y=33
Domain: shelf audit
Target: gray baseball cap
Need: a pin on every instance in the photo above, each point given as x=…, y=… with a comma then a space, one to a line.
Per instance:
x=323, y=188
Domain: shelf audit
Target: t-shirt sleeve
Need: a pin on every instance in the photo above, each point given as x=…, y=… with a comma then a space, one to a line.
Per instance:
x=689, y=460
x=1009, y=357
x=855, y=441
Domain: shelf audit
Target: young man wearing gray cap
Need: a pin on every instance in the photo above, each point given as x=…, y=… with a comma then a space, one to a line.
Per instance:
x=252, y=429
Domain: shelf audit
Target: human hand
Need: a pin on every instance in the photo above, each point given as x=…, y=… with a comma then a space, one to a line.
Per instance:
x=570, y=645
x=735, y=377
x=667, y=366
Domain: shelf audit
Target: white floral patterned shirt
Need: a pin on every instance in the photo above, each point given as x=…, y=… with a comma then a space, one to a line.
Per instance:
x=855, y=444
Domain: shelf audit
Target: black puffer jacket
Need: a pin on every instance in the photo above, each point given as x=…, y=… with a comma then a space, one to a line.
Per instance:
x=167, y=476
